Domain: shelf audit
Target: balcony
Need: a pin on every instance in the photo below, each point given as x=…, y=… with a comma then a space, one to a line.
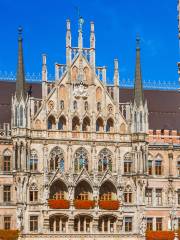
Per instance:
x=58, y=204
x=109, y=204
x=84, y=204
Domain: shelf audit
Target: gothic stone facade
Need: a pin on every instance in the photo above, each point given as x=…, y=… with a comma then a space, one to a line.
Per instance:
x=78, y=164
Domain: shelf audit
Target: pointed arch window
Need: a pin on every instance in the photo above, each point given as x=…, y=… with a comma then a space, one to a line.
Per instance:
x=128, y=195
x=21, y=116
x=62, y=123
x=57, y=159
x=61, y=104
x=81, y=160
x=75, y=105
x=109, y=125
x=105, y=160
x=86, y=106
x=33, y=161
x=51, y=122
x=128, y=163
x=7, y=161
x=33, y=193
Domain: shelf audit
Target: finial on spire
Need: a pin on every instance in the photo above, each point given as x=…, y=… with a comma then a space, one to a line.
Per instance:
x=116, y=72
x=138, y=41
x=68, y=24
x=81, y=22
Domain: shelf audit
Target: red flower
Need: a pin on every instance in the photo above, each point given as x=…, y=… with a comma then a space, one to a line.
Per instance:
x=84, y=204
x=160, y=235
x=109, y=204
x=58, y=203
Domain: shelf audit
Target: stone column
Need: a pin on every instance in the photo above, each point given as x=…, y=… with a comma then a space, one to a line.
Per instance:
x=170, y=156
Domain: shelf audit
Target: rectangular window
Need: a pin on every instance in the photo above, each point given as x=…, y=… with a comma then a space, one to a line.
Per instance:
x=149, y=224
x=128, y=224
x=158, y=167
x=127, y=167
x=158, y=197
x=7, y=164
x=33, y=223
x=128, y=197
x=7, y=193
x=148, y=196
x=158, y=224
x=33, y=196
x=150, y=167
x=7, y=222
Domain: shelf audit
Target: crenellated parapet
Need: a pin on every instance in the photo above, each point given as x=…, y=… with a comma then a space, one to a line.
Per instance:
x=163, y=137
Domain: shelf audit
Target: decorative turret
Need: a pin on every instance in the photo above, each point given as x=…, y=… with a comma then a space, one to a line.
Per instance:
x=20, y=79
x=116, y=83
x=138, y=89
x=44, y=76
x=92, y=46
x=68, y=42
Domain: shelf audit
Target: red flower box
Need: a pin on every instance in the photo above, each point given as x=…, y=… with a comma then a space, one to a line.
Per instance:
x=9, y=234
x=109, y=205
x=160, y=235
x=84, y=204
x=58, y=203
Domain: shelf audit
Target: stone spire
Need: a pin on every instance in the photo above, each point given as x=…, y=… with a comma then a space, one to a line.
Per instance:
x=138, y=88
x=20, y=77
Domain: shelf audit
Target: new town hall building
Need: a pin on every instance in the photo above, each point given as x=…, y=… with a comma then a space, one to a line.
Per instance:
x=83, y=160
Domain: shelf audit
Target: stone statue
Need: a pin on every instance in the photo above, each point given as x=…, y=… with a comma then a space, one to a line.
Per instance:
x=143, y=226
x=19, y=218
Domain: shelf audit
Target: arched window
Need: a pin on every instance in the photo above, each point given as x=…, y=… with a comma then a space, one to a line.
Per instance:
x=107, y=192
x=75, y=105
x=56, y=159
x=110, y=125
x=33, y=161
x=62, y=123
x=128, y=163
x=81, y=160
x=86, y=106
x=99, y=125
x=33, y=193
x=75, y=124
x=86, y=124
x=105, y=160
x=51, y=122
x=83, y=191
x=21, y=116
x=150, y=165
x=58, y=190
x=128, y=195
x=158, y=165
x=7, y=161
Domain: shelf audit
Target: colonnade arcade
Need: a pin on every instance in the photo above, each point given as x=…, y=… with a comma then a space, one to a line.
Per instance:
x=83, y=223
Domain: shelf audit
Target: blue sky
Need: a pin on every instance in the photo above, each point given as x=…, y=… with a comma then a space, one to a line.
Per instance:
x=116, y=24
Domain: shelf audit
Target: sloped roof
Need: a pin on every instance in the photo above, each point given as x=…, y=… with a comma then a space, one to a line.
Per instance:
x=164, y=106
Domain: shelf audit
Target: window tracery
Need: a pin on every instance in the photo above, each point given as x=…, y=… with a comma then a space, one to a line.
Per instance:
x=56, y=159
x=81, y=160
x=105, y=160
